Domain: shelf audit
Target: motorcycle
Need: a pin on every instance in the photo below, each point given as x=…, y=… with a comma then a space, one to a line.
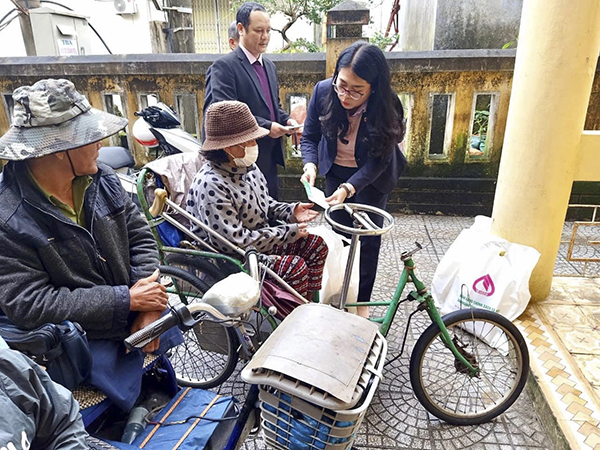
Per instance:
x=158, y=128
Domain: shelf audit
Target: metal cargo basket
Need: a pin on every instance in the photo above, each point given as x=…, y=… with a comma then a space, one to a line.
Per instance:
x=317, y=375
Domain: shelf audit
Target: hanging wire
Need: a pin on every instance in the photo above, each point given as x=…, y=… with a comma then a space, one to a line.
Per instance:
x=6, y=24
x=89, y=24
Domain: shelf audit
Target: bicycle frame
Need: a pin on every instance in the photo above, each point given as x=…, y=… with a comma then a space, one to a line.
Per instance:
x=155, y=221
x=425, y=302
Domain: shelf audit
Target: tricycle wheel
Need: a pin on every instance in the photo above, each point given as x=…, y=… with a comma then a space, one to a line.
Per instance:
x=445, y=386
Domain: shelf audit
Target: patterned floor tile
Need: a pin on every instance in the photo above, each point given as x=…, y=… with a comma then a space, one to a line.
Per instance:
x=582, y=340
x=565, y=316
x=558, y=370
x=590, y=366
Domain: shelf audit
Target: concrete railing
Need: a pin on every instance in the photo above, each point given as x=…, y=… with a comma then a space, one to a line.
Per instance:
x=444, y=93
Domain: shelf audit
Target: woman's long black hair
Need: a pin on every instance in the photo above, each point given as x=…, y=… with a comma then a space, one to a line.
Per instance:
x=385, y=115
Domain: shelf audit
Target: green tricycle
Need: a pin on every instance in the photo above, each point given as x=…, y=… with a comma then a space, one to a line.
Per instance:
x=466, y=368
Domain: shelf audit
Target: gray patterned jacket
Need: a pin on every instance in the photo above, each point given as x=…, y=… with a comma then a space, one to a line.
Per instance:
x=235, y=203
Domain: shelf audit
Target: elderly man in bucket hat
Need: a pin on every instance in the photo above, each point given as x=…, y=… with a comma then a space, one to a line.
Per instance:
x=74, y=246
x=230, y=195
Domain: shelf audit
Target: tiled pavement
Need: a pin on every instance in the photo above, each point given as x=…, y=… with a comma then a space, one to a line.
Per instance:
x=563, y=334
x=395, y=419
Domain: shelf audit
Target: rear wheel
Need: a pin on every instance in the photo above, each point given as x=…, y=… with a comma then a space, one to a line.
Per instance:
x=208, y=270
x=209, y=352
x=443, y=384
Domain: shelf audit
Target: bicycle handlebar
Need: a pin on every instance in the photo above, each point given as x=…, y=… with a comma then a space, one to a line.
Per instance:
x=359, y=213
x=182, y=316
x=151, y=331
x=252, y=263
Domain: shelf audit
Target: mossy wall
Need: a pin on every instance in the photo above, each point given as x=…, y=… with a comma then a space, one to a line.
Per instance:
x=462, y=73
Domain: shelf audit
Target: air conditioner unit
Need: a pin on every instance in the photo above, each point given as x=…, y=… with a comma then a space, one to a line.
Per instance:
x=125, y=6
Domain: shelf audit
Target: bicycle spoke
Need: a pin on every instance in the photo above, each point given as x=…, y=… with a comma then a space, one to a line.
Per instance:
x=460, y=395
x=489, y=348
x=477, y=392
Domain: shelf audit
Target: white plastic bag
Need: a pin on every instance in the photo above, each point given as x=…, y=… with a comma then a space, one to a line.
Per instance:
x=490, y=271
x=335, y=267
x=234, y=295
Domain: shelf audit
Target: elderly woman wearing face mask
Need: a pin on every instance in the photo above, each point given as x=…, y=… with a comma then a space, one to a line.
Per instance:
x=230, y=195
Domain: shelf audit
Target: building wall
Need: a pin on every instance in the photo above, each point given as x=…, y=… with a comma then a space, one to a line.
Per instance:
x=465, y=24
x=416, y=24
x=124, y=34
x=468, y=24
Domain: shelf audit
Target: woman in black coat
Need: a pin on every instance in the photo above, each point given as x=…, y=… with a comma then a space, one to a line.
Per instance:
x=352, y=132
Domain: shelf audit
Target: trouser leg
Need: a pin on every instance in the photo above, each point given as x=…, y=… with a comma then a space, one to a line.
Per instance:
x=267, y=165
x=369, y=245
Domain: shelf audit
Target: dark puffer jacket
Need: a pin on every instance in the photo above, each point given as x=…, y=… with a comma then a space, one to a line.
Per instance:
x=52, y=269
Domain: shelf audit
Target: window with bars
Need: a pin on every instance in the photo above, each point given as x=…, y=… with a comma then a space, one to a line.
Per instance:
x=441, y=118
x=211, y=22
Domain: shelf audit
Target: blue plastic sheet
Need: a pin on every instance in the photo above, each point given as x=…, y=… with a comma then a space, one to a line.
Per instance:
x=192, y=404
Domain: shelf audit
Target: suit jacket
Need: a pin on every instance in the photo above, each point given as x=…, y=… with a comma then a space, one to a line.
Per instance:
x=382, y=173
x=232, y=77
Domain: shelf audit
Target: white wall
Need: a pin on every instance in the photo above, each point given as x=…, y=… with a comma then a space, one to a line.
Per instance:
x=124, y=34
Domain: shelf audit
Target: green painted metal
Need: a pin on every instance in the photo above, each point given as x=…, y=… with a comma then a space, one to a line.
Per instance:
x=369, y=304
x=155, y=221
x=435, y=316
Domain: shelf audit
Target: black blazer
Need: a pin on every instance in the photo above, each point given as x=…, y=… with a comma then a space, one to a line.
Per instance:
x=232, y=77
x=381, y=173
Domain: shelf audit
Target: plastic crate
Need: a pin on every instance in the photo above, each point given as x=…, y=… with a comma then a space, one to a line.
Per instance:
x=290, y=422
x=337, y=368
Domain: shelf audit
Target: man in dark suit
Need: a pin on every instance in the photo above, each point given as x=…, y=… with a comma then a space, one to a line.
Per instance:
x=247, y=76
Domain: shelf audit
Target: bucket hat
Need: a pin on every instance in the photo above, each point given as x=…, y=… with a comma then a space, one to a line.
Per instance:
x=230, y=123
x=50, y=117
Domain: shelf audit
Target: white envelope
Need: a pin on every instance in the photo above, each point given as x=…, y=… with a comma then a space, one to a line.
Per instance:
x=315, y=195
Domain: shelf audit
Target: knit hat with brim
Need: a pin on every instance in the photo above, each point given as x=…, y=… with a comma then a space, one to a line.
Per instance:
x=50, y=117
x=230, y=123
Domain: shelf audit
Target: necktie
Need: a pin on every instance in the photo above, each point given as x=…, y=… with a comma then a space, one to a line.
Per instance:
x=264, y=84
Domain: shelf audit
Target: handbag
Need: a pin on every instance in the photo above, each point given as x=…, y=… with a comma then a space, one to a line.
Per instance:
x=61, y=348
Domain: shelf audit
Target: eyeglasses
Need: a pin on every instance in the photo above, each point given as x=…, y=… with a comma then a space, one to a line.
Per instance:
x=343, y=91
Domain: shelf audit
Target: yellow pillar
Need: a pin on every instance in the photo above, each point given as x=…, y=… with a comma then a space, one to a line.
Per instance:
x=559, y=43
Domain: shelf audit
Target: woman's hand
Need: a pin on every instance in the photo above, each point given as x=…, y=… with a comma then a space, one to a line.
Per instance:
x=303, y=213
x=310, y=174
x=145, y=318
x=337, y=197
x=302, y=230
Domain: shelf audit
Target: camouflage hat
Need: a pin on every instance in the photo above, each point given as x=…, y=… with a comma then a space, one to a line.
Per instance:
x=50, y=117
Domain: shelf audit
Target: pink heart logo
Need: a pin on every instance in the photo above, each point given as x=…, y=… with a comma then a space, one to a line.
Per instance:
x=484, y=286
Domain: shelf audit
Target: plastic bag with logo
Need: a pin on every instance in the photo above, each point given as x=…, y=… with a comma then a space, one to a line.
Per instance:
x=484, y=271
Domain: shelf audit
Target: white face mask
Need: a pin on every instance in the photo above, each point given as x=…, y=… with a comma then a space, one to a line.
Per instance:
x=249, y=158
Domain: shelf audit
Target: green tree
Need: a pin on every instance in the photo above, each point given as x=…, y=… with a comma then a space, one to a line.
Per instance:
x=382, y=41
x=313, y=10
